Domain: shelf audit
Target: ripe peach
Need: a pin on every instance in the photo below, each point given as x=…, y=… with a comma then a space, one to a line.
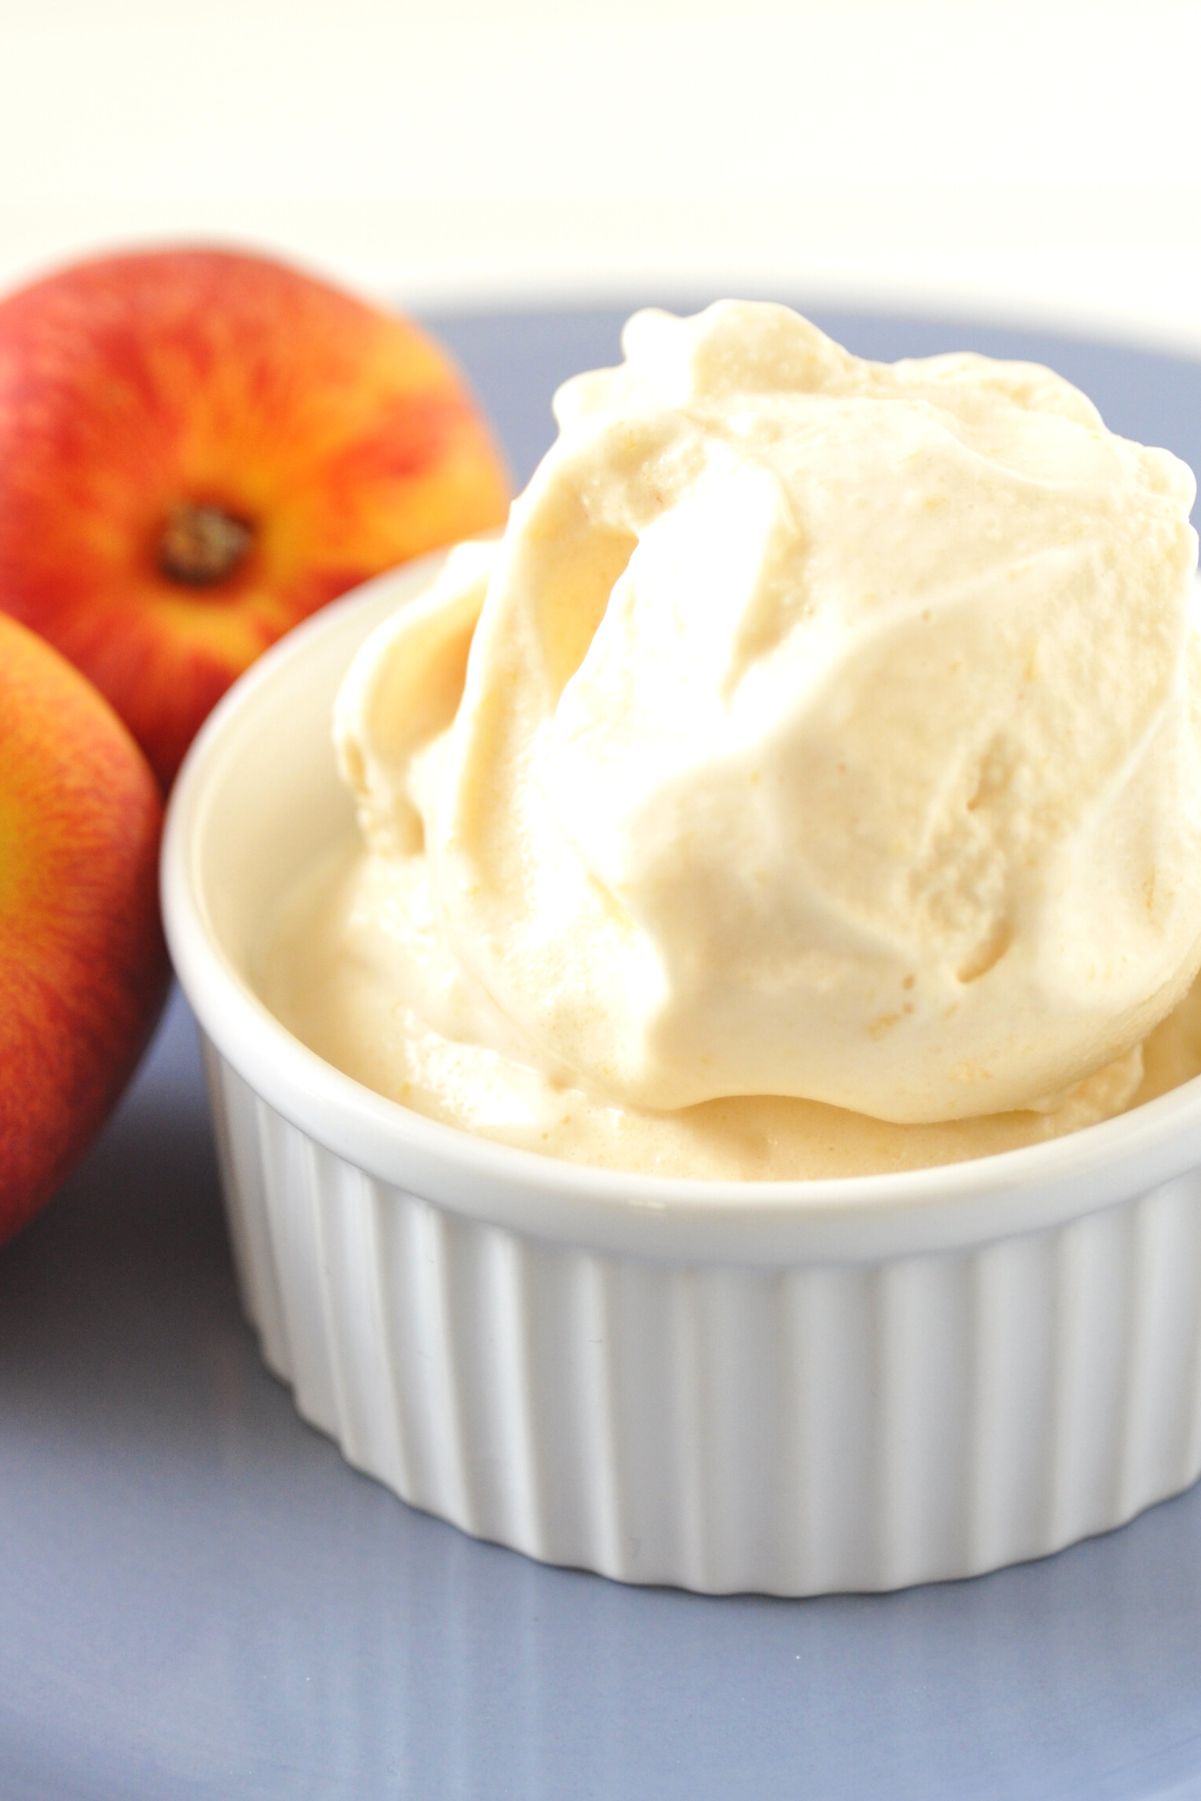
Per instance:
x=82, y=961
x=199, y=447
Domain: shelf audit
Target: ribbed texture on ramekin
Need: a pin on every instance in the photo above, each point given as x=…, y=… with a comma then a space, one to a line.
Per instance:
x=790, y=1431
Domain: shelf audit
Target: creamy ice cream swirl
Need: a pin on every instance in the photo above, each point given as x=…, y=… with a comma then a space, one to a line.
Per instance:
x=818, y=728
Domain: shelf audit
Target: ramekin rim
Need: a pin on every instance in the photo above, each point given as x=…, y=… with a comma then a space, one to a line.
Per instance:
x=232, y=1014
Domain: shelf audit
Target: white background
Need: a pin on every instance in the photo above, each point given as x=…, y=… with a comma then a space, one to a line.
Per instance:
x=1036, y=159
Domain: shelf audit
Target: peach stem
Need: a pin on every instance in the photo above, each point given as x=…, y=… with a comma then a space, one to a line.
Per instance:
x=201, y=545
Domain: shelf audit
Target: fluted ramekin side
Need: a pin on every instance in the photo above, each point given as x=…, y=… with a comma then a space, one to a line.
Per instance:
x=812, y=1427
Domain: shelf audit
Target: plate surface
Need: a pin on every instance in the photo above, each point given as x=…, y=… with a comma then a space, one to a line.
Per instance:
x=199, y=1599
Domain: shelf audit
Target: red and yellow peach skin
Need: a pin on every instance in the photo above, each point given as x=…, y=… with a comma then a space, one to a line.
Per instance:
x=82, y=961
x=199, y=447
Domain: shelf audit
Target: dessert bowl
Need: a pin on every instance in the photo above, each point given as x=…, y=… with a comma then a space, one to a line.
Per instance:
x=789, y=1387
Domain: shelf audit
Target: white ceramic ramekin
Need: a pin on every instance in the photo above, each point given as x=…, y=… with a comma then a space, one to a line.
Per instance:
x=789, y=1387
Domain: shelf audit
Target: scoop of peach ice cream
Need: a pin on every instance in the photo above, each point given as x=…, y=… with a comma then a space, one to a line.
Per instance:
x=817, y=728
